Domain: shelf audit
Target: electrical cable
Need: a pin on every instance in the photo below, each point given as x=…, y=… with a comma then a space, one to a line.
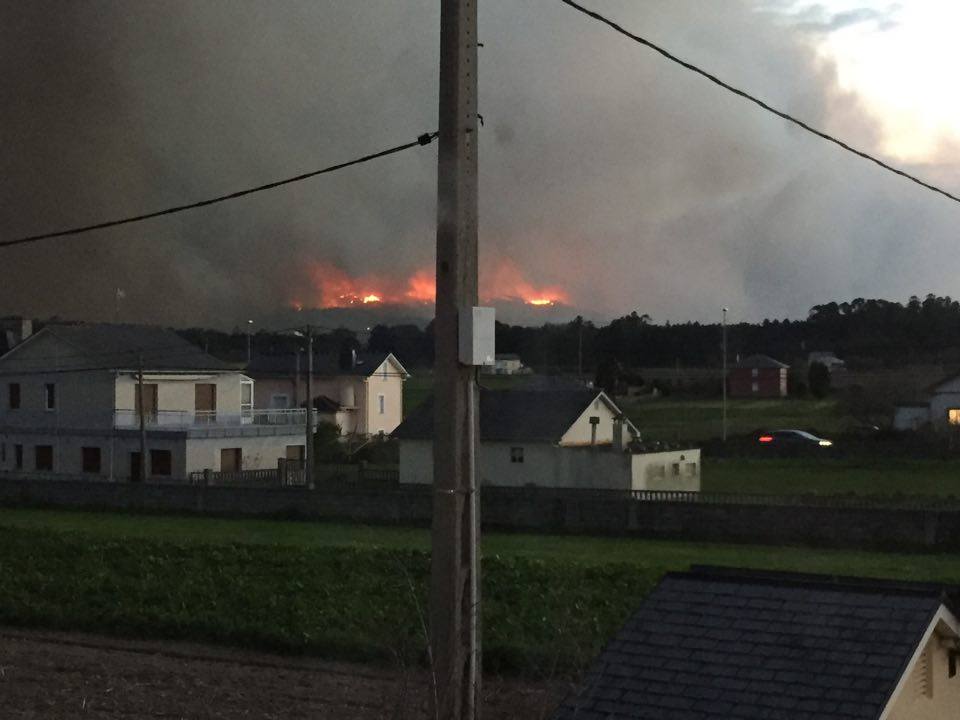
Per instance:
x=422, y=140
x=756, y=101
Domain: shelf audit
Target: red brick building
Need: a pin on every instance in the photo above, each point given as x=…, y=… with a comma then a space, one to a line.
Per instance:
x=758, y=376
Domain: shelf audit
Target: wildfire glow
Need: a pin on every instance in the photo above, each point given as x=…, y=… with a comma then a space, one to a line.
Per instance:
x=334, y=288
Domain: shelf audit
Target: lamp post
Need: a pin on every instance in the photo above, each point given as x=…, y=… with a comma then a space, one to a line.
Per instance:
x=249, y=340
x=724, y=379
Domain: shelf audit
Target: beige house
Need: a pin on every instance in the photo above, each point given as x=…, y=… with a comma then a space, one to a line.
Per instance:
x=505, y=364
x=730, y=643
x=362, y=395
x=70, y=405
x=563, y=439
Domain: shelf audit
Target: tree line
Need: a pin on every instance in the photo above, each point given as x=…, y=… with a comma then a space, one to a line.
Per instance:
x=866, y=333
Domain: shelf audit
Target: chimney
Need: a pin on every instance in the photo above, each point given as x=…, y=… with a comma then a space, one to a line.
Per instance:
x=618, y=429
x=15, y=330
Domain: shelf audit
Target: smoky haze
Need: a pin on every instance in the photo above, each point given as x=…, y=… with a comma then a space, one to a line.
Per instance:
x=605, y=170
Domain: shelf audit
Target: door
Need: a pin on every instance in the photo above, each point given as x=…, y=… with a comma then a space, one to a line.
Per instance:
x=231, y=460
x=205, y=402
x=134, y=466
x=149, y=402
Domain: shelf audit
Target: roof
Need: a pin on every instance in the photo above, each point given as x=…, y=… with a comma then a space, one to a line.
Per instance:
x=762, y=361
x=511, y=415
x=324, y=404
x=714, y=644
x=119, y=346
x=326, y=365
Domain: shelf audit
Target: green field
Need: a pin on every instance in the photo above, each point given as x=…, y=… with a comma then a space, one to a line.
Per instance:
x=352, y=592
x=802, y=476
x=670, y=419
x=418, y=388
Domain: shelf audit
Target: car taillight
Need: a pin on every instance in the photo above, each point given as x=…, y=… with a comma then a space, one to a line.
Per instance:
x=765, y=438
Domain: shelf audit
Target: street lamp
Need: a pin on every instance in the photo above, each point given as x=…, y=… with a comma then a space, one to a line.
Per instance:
x=308, y=448
x=249, y=340
x=724, y=379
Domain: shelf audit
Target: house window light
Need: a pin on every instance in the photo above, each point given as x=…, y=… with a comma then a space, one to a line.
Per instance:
x=953, y=416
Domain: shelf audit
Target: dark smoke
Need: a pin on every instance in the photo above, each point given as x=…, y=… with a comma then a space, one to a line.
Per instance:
x=604, y=169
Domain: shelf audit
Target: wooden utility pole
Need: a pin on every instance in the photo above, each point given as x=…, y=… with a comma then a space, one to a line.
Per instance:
x=143, y=425
x=308, y=448
x=454, y=572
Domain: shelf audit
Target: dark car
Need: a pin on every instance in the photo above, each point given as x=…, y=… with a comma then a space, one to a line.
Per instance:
x=797, y=440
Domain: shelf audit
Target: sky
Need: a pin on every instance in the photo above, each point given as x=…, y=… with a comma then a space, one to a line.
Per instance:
x=611, y=180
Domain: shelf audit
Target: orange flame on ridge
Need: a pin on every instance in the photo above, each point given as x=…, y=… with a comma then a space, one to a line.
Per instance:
x=335, y=288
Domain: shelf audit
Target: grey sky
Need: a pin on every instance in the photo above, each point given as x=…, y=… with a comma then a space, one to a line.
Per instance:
x=605, y=169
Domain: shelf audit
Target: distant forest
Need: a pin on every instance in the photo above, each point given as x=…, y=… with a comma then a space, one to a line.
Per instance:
x=868, y=334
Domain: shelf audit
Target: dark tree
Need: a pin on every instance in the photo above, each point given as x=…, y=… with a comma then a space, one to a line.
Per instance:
x=818, y=378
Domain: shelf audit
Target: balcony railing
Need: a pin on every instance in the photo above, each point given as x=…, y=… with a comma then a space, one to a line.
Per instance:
x=183, y=419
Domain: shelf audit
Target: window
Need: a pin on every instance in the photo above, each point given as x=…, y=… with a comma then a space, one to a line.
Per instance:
x=3, y=453
x=161, y=462
x=18, y=457
x=754, y=387
x=676, y=469
x=953, y=416
x=50, y=396
x=691, y=469
x=295, y=452
x=382, y=403
x=754, y=373
x=91, y=459
x=14, y=396
x=43, y=457
x=279, y=402
x=246, y=399
x=516, y=454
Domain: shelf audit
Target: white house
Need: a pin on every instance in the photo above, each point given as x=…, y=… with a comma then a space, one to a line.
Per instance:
x=70, y=405
x=941, y=410
x=562, y=439
x=506, y=364
x=362, y=394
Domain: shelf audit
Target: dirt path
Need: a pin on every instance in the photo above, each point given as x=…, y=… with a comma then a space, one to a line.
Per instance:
x=54, y=676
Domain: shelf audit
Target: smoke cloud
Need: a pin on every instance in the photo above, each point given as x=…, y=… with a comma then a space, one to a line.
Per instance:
x=607, y=171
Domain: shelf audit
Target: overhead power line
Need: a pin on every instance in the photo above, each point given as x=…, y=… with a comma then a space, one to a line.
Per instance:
x=756, y=101
x=424, y=139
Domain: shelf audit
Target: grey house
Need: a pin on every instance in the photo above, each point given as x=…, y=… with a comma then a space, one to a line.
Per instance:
x=726, y=644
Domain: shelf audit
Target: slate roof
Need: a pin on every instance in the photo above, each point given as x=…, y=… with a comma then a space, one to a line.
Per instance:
x=715, y=644
x=120, y=346
x=511, y=415
x=762, y=361
x=325, y=365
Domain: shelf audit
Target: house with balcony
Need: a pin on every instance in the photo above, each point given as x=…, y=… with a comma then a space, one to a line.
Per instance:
x=362, y=393
x=72, y=399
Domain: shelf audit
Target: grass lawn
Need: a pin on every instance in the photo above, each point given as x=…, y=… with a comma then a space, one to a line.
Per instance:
x=862, y=476
x=670, y=419
x=353, y=592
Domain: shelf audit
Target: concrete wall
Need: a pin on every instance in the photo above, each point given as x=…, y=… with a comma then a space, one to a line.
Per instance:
x=672, y=470
x=258, y=453
x=532, y=509
x=548, y=466
x=929, y=692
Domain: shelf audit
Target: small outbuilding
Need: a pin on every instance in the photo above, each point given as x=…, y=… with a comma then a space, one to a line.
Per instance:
x=758, y=376
x=729, y=644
